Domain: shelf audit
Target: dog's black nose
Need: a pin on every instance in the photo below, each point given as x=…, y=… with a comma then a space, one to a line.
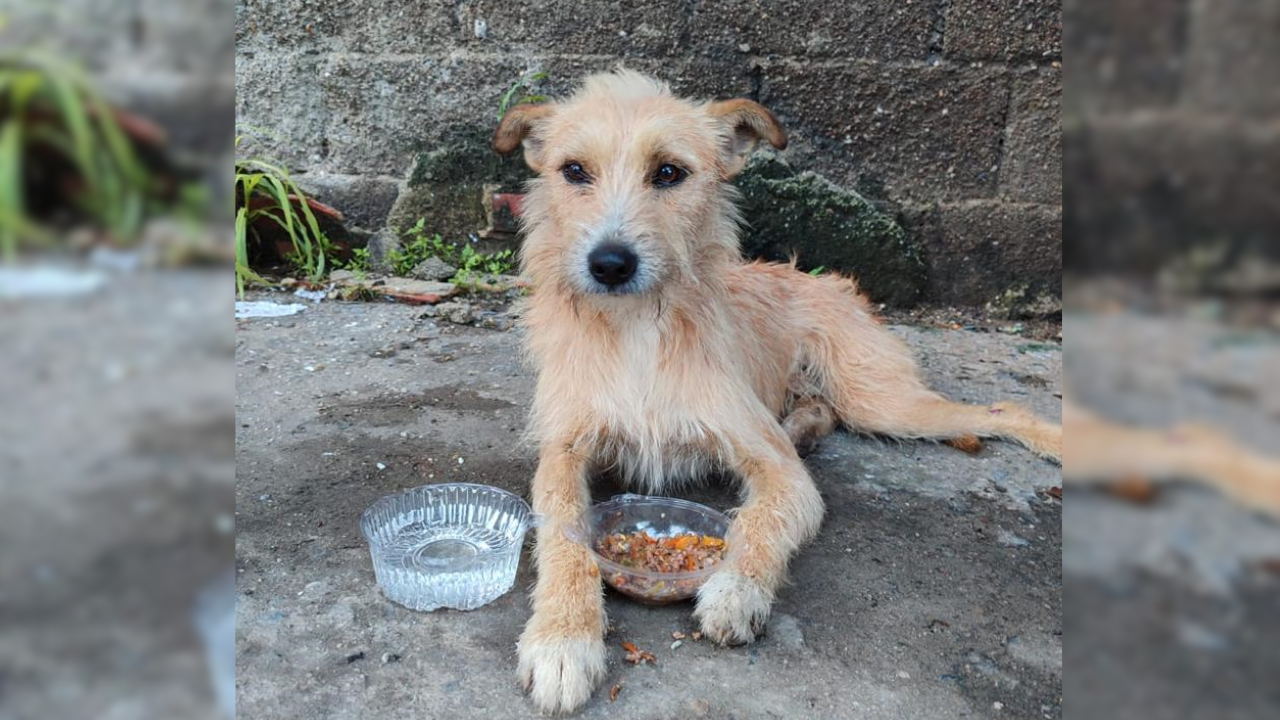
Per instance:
x=612, y=264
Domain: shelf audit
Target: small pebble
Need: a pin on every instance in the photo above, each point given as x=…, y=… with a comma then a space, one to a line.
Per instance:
x=358, y=655
x=388, y=658
x=676, y=644
x=225, y=524
x=382, y=466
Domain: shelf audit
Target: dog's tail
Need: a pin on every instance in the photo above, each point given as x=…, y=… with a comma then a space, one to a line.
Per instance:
x=1105, y=452
x=870, y=378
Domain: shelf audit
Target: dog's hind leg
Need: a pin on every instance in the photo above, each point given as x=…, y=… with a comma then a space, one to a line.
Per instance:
x=810, y=420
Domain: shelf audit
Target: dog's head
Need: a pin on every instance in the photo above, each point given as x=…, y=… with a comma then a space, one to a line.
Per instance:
x=632, y=189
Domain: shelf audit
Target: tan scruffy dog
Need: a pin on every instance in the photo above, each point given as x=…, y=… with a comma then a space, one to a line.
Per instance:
x=663, y=355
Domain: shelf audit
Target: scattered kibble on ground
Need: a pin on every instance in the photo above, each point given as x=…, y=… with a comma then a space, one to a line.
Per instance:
x=636, y=656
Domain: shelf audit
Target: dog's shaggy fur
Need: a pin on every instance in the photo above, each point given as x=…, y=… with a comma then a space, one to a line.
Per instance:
x=698, y=362
x=1107, y=453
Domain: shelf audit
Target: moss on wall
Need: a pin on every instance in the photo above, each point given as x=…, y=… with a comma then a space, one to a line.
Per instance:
x=823, y=225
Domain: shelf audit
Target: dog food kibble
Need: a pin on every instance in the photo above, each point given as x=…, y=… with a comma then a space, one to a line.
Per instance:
x=648, y=554
x=636, y=656
x=679, y=553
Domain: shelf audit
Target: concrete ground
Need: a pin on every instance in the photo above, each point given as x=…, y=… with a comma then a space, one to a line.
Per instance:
x=933, y=591
x=116, y=477
x=1172, y=604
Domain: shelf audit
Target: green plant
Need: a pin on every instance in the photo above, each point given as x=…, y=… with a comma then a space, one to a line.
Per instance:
x=818, y=270
x=53, y=120
x=360, y=293
x=358, y=264
x=400, y=262
x=418, y=245
x=266, y=192
x=519, y=92
x=472, y=263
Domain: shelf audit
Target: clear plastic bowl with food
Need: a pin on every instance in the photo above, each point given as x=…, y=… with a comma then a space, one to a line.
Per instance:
x=454, y=545
x=656, y=550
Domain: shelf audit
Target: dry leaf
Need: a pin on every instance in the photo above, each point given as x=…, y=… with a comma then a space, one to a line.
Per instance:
x=1135, y=489
x=696, y=636
x=1055, y=492
x=677, y=635
x=1270, y=565
x=966, y=443
x=613, y=692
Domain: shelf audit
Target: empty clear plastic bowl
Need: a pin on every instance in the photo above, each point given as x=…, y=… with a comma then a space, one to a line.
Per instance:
x=661, y=518
x=453, y=545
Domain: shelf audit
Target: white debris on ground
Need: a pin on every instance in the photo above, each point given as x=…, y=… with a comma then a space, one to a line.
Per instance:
x=265, y=309
x=34, y=282
x=313, y=295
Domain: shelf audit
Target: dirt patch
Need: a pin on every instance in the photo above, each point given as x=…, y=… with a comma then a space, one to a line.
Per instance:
x=210, y=437
x=347, y=472
x=1032, y=381
x=392, y=409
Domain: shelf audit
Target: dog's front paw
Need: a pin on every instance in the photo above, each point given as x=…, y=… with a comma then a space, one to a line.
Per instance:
x=732, y=608
x=560, y=672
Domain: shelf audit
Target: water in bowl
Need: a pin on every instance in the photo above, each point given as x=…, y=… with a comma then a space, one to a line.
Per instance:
x=451, y=546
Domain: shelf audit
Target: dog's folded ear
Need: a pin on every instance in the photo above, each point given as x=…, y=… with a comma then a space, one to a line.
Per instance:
x=746, y=123
x=519, y=127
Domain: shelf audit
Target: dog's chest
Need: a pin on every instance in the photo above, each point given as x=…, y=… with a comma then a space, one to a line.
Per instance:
x=663, y=416
x=648, y=388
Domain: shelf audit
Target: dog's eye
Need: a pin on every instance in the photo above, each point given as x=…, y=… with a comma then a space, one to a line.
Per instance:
x=667, y=175
x=574, y=174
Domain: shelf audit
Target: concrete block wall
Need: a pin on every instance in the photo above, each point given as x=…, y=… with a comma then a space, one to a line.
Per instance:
x=1172, y=139
x=945, y=113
